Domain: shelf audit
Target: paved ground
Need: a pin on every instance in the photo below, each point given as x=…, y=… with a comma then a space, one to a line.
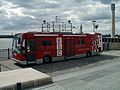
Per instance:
x=106, y=77
x=7, y=65
x=25, y=78
x=103, y=75
x=59, y=68
x=68, y=66
x=94, y=73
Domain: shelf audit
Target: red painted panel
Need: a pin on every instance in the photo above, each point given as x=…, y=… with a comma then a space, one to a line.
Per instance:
x=69, y=47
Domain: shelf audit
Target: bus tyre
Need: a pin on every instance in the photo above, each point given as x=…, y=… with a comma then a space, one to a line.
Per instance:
x=47, y=59
x=88, y=54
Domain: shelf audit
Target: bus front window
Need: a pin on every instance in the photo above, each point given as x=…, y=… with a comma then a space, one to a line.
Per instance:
x=17, y=43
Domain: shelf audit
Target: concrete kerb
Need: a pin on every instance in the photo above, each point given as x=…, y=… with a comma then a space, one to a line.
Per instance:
x=8, y=87
x=43, y=81
x=34, y=82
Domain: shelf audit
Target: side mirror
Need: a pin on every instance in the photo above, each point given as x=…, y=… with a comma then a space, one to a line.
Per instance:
x=19, y=41
x=23, y=50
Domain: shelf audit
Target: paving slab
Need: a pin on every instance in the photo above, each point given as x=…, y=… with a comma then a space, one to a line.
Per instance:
x=104, y=77
x=25, y=77
x=7, y=65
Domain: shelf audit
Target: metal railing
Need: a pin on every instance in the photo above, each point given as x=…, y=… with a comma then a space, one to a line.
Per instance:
x=5, y=54
x=113, y=40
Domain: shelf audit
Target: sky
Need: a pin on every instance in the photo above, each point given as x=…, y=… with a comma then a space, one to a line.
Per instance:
x=28, y=15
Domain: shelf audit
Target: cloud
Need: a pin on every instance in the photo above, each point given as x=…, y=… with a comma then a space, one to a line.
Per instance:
x=21, y=14
x=108, y=1
x=42, y=4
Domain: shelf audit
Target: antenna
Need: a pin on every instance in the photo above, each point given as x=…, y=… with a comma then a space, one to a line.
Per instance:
x=56, y=18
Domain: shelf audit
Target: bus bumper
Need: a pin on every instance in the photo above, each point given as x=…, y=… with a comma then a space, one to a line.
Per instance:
x=19, y=62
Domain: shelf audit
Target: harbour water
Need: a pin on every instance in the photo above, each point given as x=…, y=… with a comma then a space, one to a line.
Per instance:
x=5, y=43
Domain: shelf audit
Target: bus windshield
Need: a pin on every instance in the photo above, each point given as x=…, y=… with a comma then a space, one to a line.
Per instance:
x=17, y=43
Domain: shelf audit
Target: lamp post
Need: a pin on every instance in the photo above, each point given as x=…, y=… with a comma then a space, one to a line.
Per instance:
x=70, y=24
x=81, y=31
x=53, y=26
x=44, y=21
x=93, y=22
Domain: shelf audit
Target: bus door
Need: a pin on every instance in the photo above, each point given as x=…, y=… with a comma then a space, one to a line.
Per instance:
x=69, y=47
x=31, y=51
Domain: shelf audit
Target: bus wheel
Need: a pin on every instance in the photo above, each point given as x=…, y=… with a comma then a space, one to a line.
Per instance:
x=88, y=54
x=47, y=59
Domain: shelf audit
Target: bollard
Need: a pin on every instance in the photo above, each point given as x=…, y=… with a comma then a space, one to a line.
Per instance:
x=18, y=86
x=8, y=53
x=0, y=67
x=107, y=46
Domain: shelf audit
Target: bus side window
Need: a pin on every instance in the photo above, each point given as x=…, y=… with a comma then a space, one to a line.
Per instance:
x=19, y=40
x=82, y=42
x=31, y=45
x=46, y=43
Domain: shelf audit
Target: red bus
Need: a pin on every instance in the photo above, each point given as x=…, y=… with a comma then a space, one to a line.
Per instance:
x=41, y=47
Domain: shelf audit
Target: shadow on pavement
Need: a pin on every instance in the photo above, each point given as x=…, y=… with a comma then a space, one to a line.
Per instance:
x=72, y=63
